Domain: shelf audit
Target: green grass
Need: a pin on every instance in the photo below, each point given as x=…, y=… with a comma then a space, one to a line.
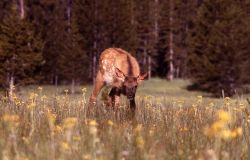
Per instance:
x=170, y=123
x=155, y=87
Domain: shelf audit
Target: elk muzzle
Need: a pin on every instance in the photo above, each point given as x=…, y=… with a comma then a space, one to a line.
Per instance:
x=130, y=92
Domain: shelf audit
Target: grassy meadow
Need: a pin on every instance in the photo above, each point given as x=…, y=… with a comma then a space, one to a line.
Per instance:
x=48, y=123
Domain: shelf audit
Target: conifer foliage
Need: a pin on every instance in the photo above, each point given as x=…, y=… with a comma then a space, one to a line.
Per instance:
x=203, y=40
x=218, y=47
x=20, y=50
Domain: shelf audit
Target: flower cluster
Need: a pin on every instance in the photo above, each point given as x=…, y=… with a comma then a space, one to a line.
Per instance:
x=220, y=127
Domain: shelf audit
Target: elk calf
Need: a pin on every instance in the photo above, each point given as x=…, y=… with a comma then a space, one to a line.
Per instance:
x=120, y=70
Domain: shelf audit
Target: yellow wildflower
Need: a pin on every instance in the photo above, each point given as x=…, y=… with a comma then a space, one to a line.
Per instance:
x=51, y=117
x=84, y=90
x=215, y=128
x=184, y=129
x=140, y=142
x=110, y=123
x=93, y=123
x=76, y=138
x=58, y=129
x=199, y=99
x=69, y=123
x=224, y=116
x=93, y=130
x=211, y=104
x=138, y=128
x=226, y=134
x=11, y=120
x=92, y=127
x=65, y=146
x=33, y=95
x=87, y=157
x=66, y=91
x=194, y=105
x=151, y=132
x=238, y=131
x=242, y=106
x=43, y=98
x=31, y=106
x=26, y=140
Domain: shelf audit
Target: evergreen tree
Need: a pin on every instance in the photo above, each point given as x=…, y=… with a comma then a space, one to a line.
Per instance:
x=20, y=50
x=145, y=32
x=162, y=45
x=218, y=46
x=184, y=14
x=73, y=61
x=4, y=4
x=106, y=24
x=118, y=25
x=56, y=40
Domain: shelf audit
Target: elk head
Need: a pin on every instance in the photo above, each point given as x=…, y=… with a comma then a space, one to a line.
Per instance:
x=130, y=83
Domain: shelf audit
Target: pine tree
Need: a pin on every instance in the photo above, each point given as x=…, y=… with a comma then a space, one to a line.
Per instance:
x=73, y=61
x=146, y=33
x=56, y=40
x=163, y=38
x=121, y=31
x=106, y=24
x=184, y=14
x=20, y=50
x=218, y=46
x=4, y=4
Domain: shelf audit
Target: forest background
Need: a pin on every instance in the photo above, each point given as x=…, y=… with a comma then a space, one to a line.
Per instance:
x=60, y=41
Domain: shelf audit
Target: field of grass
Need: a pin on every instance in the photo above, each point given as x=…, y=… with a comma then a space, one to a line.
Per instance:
x=48, y=123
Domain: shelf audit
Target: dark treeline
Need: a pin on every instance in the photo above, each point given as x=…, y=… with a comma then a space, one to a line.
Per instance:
x=59, y=41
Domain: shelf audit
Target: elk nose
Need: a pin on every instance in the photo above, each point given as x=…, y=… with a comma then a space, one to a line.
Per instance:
x=130, y=93
x=130, y=97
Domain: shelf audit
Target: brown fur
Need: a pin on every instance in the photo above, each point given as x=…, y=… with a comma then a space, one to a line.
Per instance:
x=114, y=65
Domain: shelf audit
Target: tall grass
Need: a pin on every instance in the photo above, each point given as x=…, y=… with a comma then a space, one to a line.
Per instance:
x=170, y=123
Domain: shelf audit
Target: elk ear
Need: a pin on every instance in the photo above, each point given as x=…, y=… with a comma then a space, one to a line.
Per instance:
x=141, y=77
x=119, y=74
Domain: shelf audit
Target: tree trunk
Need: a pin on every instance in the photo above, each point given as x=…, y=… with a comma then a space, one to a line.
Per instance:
x=69, y=12
x=149, y=67
x=94, y=58
x=94, y=62
x=132, y=14
x=11, y=88
x=22, y=13
x=73, y=86
x=170, y=75
x=177, y=75
x=144, y=62
x=156, y=24
x=56, y=80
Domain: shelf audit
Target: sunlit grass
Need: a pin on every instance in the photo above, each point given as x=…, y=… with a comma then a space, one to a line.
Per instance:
x=171, y=123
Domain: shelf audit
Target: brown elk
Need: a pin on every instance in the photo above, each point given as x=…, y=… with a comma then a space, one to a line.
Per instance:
x=121, y=71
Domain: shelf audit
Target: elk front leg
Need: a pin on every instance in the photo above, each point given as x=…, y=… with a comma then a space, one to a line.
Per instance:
x=114, y=97
x=99, y=83
x=132, y=106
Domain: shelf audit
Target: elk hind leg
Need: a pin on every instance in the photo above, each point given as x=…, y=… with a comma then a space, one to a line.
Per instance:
x=97, y=88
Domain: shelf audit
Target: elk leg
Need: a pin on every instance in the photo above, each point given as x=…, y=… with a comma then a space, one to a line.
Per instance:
x=114, y=96
x=132, y=106
x=97, y=88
